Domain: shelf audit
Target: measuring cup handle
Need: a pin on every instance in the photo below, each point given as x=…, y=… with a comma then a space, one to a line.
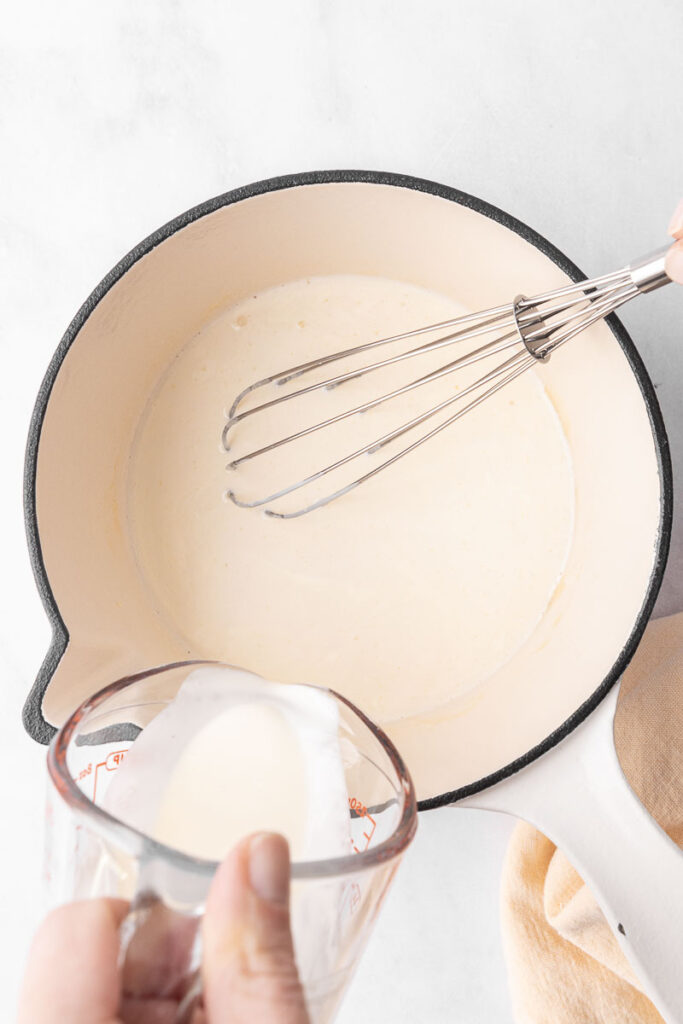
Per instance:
x=578, y=796
x=159, y=954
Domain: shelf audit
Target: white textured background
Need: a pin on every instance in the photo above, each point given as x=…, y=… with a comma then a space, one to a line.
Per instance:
x=115, y=117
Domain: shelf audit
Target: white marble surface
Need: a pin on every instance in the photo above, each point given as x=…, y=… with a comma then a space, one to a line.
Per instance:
x=115, y=117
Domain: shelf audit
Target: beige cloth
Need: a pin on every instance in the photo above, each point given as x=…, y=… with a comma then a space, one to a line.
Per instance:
x=564, y=964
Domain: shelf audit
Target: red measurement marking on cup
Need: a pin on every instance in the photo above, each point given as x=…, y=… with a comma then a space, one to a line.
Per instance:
x=361, y=811
x=353, y=894
x=351, y=899
x=110, y=764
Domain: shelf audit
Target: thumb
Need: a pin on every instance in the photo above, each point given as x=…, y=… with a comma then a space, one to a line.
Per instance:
x=249, y=970
x=674, y=262
x=674, y=257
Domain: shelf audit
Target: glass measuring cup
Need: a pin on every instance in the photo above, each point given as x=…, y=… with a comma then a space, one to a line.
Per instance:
x=91, y=853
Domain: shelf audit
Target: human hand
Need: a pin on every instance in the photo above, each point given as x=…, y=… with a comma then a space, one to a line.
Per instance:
x=674, y=257
x=248, y=969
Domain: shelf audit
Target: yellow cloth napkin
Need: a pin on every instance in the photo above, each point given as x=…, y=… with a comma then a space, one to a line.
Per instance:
x=564, y=964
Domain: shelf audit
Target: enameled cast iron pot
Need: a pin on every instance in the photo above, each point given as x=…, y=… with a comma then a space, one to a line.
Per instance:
x=535, y=740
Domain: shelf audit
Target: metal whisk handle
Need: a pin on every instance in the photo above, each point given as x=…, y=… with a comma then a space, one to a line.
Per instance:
x=649, y=273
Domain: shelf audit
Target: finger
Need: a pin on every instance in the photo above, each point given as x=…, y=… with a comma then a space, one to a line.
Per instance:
x=72, y=972
x=249, y=968
x=148, y=1011
x=674, y=262
x=676, y=222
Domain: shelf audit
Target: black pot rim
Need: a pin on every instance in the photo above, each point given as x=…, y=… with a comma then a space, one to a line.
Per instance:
x=34, y=721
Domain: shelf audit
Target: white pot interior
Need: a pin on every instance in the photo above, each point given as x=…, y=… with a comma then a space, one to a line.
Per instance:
x=143, y=322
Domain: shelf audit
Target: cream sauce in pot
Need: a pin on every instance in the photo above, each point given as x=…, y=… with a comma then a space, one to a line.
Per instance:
x=410, y=591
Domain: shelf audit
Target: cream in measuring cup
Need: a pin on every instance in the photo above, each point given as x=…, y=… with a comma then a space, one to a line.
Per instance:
x=231, y=755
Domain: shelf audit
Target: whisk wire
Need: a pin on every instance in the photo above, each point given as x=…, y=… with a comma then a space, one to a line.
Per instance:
x=393, y=435
x=331, y=382
x=321, y=502
x=484, y=352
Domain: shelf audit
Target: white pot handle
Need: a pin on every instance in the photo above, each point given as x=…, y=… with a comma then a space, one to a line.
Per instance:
x=578, y=796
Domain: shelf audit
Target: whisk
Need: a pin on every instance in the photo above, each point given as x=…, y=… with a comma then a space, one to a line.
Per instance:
x=527, y=331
